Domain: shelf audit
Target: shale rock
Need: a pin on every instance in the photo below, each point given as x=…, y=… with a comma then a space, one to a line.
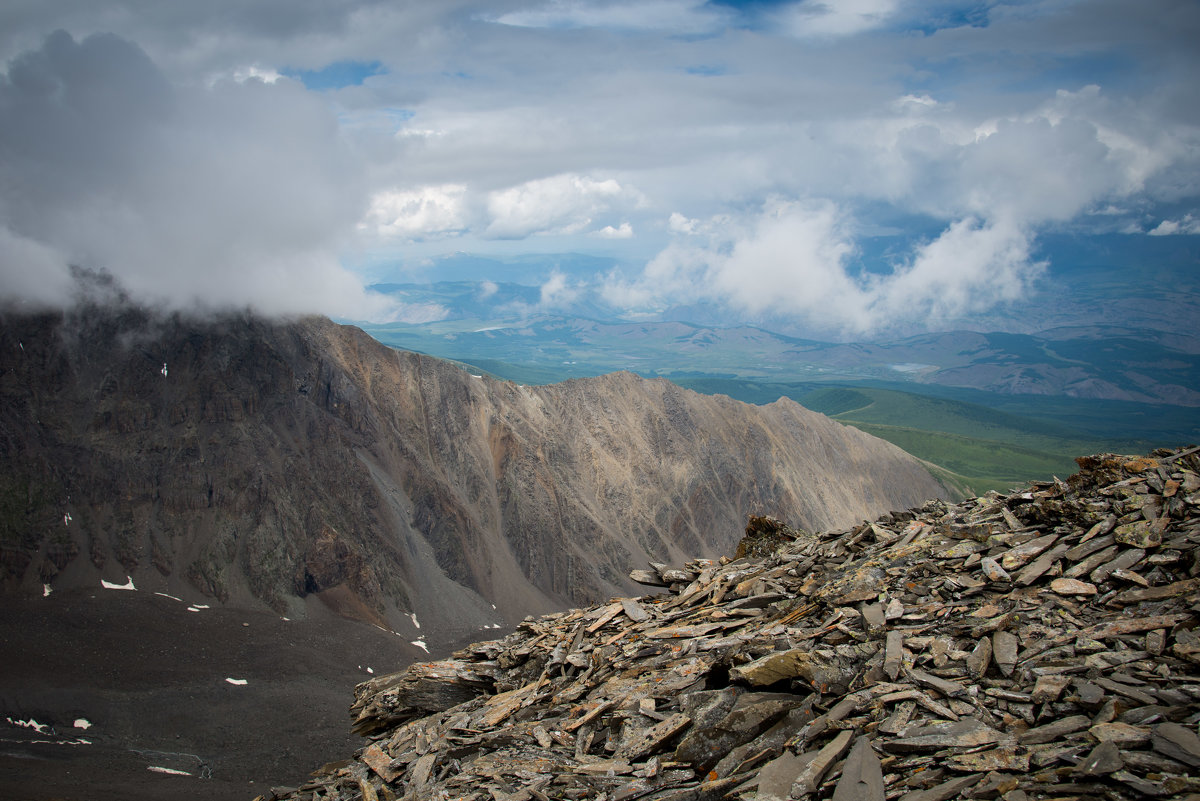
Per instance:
x=888, y=661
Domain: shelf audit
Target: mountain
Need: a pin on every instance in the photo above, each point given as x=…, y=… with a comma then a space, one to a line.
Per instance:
x=277, y=464
x=999, y=648
x=1089, y=362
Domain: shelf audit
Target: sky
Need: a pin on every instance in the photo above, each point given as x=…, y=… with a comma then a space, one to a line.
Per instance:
x=283, y=155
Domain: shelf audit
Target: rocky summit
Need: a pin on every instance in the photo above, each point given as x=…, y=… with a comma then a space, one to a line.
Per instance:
x=1035, y=645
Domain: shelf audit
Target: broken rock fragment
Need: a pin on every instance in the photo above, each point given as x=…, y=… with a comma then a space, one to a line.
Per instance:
x=1041, y=644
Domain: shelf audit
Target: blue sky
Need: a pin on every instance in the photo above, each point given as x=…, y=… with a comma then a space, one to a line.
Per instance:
x=747, y=156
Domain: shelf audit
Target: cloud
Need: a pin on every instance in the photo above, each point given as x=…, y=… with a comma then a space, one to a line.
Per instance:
x=793, y=259
x=833, y=18
x=677, y=16
x=417, y=313
x=232, y=194
x=562, y=204
x=524, y=126
x=622, y=231
x=971, y=267
x=1188, y=224
x=558, y=291
x=418, y=213
x=32, y=273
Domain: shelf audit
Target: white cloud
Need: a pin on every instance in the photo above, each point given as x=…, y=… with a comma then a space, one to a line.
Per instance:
x=562, y=204
x=417, y=213
x=558, y=291
x=622, y=231
x=833, y=18
x=1188, y=224
x=679, y=16
x=255, y=72
x=793, y=259
x=679, y=224
x=971, y=267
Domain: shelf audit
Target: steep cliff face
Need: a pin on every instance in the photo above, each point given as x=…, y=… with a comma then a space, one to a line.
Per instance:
x=265, y=462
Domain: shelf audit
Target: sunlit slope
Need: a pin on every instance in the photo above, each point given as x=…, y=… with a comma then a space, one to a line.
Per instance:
x=984, y=446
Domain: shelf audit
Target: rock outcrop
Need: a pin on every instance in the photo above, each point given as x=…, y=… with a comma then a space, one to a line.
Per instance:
x=1028, y=646
x=261, y=462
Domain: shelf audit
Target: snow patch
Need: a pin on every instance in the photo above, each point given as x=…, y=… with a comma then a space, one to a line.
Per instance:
x=171, y=771
x=40, y=728
x=420, y=645
x=239, y=682
x=164, y=375
x=413, y=618
x=67, y=518
x=128, y=585
x=83, y=723
x=370, y=670
x=46, y=590
x=172, y=597
x=198, y=607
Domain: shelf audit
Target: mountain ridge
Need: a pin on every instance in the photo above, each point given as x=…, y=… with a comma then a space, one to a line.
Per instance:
x=261, y=463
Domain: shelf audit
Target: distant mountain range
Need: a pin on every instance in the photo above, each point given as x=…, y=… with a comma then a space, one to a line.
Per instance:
x=1106, y=362
x=281, y=464
x=1115, y=317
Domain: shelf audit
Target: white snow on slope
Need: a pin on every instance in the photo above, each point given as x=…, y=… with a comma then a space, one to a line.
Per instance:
x=420, y=645
x=128, y=585
x=238, y=682
x=40, y=728
x=171, y=771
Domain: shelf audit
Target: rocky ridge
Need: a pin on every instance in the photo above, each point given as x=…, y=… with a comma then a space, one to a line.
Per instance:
x=275, y=463
x=1034, y=645
x=267, y=463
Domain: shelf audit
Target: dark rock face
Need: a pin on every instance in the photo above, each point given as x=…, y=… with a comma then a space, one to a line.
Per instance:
x=258, y=462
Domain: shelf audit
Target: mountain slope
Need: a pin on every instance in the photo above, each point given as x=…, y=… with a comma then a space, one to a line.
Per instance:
x=266, y=463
